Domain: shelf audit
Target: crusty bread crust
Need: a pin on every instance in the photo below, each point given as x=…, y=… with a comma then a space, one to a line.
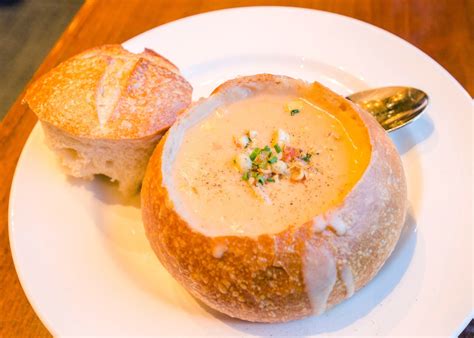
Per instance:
x=104, y=110
x=110, y=93
x=283, y=276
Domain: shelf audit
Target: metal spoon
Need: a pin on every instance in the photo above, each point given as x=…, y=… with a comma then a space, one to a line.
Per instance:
x=393, y=107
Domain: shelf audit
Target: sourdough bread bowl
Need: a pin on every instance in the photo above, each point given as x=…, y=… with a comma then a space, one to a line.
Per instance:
x=274, y=199
x=104, y=110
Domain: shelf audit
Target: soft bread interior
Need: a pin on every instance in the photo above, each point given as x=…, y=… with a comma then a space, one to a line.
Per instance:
x=123, y=161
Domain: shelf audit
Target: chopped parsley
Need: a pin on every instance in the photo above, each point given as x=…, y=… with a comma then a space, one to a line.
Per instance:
x=293, y=112
x=255, y=153
x=306, y=157
x=263, y=167
x=273, y=160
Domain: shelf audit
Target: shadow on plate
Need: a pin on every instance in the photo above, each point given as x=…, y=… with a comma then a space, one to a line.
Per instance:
x=409, y=136
x=118, y=219
x=105, y=191
x=351, y=310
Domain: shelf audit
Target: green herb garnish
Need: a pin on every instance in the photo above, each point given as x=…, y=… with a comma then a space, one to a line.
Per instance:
x=294, y=112
x=306, y=157
x=255, y=153
x=260, y=179
x=273, y=160
x=270, y=179
x=245, y=176
x=267, y=148
x=277, y=148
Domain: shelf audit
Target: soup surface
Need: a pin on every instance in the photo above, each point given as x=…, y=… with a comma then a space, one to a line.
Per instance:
x=267, y=162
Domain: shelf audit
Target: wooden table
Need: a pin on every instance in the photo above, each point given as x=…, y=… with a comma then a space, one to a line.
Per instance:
x=438, y=27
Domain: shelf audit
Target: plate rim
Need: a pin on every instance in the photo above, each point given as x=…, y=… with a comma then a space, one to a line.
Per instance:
x=13, y=250
x=321, y=12
x=10, y=213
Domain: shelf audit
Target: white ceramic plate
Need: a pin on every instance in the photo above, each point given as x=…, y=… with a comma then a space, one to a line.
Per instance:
x=81, y=253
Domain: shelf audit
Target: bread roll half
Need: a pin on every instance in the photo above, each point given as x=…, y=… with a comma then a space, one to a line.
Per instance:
x=104, y=110
x=315, y=239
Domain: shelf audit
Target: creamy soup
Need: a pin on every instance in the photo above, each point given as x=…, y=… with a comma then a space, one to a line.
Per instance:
x=323, y=154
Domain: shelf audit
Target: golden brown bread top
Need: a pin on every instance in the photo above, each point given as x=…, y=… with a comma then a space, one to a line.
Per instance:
x=110, y=93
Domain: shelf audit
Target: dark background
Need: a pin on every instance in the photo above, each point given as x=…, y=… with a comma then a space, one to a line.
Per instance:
x=28, y=30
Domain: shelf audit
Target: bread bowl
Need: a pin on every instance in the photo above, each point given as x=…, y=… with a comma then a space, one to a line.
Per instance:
x=104, y=110
x=290, y=244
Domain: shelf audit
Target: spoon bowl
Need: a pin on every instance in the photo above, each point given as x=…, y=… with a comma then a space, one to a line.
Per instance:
x=393, y=107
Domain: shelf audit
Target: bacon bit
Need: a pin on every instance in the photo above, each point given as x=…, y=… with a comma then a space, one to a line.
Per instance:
x=290, y=153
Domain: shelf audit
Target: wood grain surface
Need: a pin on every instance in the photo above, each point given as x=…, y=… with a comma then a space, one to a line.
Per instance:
x=441, y=28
